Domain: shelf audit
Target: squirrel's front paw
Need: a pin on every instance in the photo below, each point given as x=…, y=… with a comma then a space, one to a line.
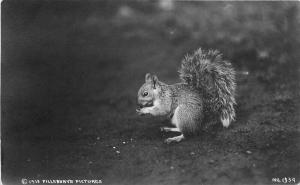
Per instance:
x=139, y=112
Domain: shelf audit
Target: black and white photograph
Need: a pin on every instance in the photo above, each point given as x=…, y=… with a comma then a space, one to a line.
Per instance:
x=142, y=92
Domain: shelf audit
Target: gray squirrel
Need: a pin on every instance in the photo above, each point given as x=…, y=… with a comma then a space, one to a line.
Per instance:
x=208, y=84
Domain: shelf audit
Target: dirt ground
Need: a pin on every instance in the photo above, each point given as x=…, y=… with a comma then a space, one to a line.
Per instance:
x=71, y=71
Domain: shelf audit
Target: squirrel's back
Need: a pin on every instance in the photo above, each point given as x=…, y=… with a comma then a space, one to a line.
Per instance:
x=183, y=93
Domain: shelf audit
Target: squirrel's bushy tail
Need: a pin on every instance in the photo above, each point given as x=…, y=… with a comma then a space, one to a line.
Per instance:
x=215, y=78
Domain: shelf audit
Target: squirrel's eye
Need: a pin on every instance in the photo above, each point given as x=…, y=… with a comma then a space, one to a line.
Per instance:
x=145, y=93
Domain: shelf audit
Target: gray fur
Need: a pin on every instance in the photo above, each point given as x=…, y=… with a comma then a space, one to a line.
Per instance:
x=214, y=78
x=208, y=85
x=190, y=107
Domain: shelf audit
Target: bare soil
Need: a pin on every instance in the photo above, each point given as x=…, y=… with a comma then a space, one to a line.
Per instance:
x=70, y=75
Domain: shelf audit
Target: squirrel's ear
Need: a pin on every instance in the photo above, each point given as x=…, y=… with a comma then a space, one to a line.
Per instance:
x=151, y=79
x=154, y=81
x=148, y=78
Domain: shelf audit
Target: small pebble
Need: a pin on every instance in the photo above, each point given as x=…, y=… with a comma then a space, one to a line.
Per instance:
x=114, y=147
x=131, y=139
x=118, y=152
x=248, y=152
x=192, y=153
x=90, y=162
x=211, y=161
x=98, y=138
x=172, y=167
x=124, y=142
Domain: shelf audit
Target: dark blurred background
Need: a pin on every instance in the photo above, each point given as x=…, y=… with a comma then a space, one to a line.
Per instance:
x=70, y=71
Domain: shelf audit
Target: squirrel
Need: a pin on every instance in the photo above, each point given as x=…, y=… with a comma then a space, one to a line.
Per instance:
x=207, y=88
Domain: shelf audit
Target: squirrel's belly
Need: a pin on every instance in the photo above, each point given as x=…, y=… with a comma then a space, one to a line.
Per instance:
x=175, y=120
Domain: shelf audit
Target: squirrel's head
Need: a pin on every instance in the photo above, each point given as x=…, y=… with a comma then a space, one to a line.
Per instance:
x=149, y=91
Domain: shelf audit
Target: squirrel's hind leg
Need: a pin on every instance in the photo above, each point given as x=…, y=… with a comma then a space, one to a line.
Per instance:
x=176, y=122
x=169, y=129
x=174, y=139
